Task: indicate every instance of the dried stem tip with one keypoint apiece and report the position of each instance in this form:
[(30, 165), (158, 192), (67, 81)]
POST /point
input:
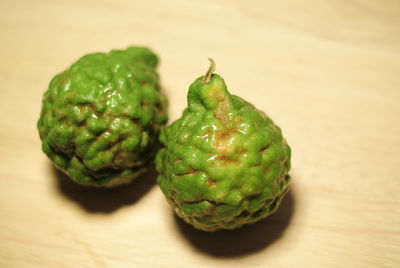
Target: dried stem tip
[(211, 69)]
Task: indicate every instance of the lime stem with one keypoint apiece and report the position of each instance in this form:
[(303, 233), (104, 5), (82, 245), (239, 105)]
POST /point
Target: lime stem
[(211, 69)]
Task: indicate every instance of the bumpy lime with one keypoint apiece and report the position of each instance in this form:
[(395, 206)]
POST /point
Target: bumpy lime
[(224, 163), (101, 118)]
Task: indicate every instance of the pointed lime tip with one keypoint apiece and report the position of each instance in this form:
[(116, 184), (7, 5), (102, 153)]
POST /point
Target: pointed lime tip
[(211, 69)]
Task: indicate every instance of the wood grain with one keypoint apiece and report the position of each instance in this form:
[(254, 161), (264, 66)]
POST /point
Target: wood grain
[(327, 72)]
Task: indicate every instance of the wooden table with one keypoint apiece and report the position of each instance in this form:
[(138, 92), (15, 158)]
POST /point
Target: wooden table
[(327, 72)]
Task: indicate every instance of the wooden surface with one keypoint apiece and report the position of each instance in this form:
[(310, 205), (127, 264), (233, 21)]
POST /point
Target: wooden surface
[(327, 72)]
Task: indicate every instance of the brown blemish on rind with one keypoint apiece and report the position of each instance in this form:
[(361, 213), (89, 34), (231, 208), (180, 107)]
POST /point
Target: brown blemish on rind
[(222, 110), (224, 158), (221, 116), (264, 149), (145, 104), (206, 134), (242, 151), (223, 135), (63, 81), (211, 182)]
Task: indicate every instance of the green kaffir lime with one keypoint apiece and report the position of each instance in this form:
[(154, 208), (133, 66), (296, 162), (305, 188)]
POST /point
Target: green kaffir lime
[(224, 163), (101, 118)]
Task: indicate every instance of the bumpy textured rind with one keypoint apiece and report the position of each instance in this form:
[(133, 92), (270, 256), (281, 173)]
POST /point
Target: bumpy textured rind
[(224, 163), (101, 118)]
